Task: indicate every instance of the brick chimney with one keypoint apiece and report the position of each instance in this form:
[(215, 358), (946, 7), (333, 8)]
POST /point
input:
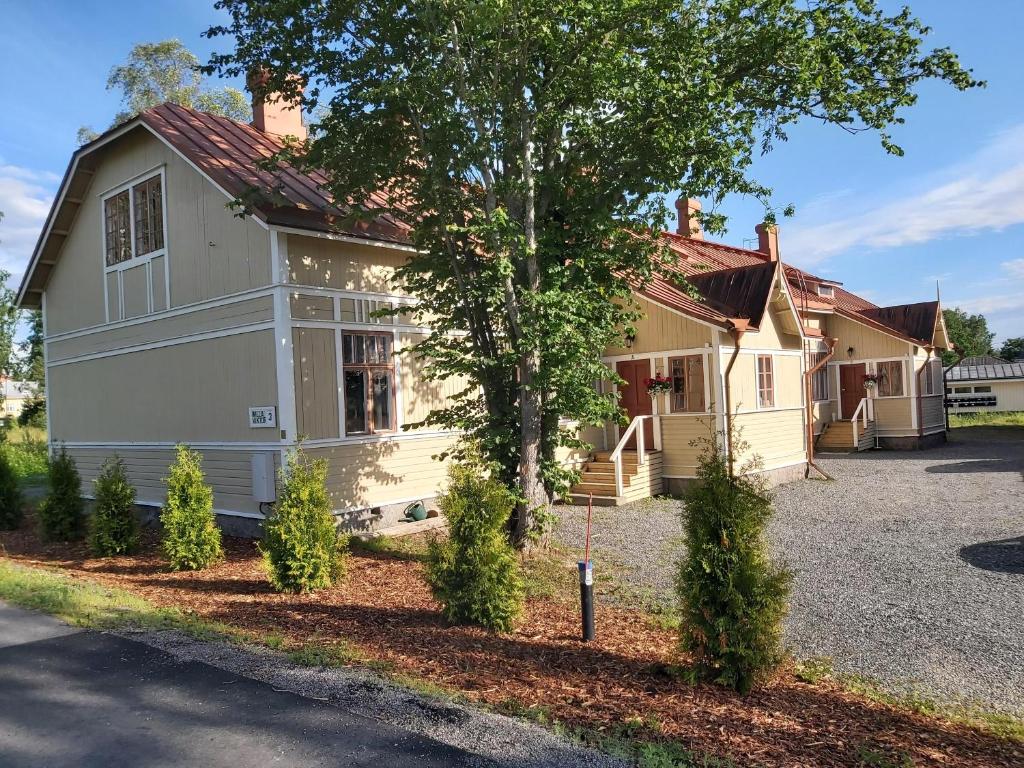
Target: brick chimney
[(768, 240), (272, 113), (689, 224)]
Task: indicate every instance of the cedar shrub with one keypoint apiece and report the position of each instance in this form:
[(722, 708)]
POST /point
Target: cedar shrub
[(11, 500), (191, 539), (733, 597), (62, 513), (475, 573), (302, 547), (113, 528)]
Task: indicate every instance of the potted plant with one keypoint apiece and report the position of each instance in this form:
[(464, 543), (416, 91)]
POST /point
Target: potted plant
[(658, 385), (870, 380)]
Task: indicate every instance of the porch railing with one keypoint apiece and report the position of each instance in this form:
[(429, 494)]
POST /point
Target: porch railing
[(636, 427), (861, 412)]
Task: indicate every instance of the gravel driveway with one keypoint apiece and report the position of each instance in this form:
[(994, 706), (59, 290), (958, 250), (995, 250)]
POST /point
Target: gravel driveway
[(909, 567)]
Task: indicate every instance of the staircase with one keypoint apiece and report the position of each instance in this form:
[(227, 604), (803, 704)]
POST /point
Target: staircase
[(846, 436), (639, 481)]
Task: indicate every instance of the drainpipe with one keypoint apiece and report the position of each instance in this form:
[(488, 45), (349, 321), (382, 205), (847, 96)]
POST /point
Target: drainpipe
[(809, 399), (960, 355), (737, 327), (920, 395)]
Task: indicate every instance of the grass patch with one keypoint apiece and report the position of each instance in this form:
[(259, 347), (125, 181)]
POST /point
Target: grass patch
[(1009, 419), (91, 605), (1001, 724), (400, 547), (550, 573), (316, 653)]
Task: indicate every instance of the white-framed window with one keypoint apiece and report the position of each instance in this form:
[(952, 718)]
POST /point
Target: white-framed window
[(687, 374), (983, 390), (819, 379), (826, 290), (890, 378), (134, 234), (368, 375), (765, 382)]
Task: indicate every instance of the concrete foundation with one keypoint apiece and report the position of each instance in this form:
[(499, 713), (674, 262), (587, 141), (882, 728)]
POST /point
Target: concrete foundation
[(913, 442), (676, 486)]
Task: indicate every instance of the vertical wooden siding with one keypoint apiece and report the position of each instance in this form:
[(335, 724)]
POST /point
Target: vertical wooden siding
[(211, 251), (316, 382)]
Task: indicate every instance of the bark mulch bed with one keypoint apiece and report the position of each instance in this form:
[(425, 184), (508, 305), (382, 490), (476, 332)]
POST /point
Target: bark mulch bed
[(384, 609)]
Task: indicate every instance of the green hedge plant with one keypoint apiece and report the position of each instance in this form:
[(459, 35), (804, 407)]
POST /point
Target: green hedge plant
[(302, 548), (62, 513), (475, 573), (191, 538), (113, 528), (733, 597), (12, 503)]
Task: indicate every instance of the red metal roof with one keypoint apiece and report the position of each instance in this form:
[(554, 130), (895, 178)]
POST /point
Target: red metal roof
[(231, 154)]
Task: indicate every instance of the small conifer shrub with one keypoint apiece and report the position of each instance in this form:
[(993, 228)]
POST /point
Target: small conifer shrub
[(12, 503), (113, 528), (62, 513), (302, 547), (733, 597), (191, 539), (475, 573)]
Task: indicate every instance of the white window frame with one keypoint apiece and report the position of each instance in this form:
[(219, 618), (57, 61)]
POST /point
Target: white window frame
[(134, 260), (827, 291), (904, 370), (757, 381)]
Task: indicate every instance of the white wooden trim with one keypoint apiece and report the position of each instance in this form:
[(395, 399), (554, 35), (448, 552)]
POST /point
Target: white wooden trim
[(46, 388), (763, 351), (612, 359), (339, 372), (397, 298), (359, 326), (235, 330), (198, 306), (262, 446), (344, 238), (396, 381), (284, 357)]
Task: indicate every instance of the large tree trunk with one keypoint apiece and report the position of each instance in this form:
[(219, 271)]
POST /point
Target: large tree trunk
[(531, 484)]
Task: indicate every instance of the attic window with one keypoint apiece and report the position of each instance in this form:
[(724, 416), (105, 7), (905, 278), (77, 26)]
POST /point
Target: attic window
[(826, 290), (133, 218)]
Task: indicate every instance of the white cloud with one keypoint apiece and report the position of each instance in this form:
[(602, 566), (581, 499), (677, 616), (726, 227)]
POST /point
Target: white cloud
[(1015, 268), (983, 192), (25, 198)]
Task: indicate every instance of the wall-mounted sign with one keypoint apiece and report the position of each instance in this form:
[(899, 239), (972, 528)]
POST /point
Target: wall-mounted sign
[(263, 416)]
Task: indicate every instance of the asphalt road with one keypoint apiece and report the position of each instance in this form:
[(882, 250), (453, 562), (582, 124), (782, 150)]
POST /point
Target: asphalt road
[(79, 698)]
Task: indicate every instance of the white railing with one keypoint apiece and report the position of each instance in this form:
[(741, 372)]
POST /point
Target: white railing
[(862, 412), (635, 427)]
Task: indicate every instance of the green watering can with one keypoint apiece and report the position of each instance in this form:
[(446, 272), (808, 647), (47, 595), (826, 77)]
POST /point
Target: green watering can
[(415, 512)]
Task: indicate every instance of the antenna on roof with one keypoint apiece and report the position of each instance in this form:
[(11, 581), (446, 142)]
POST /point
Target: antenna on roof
[(937, 297)]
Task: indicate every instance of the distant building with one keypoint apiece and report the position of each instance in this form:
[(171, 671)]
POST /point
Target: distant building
[(16, 394), (974, 386)]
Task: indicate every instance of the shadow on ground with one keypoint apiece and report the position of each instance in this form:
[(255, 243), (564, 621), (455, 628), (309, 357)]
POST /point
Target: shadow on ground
[(1002, 556)]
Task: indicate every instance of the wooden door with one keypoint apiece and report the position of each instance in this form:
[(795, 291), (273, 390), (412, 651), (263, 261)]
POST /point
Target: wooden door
[(851, 388), (634, 398)]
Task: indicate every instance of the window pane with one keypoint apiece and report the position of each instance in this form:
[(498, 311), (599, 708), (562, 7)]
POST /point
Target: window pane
[(149, 215), (678, 374), (890, 379), (355, 402), (983, 390), (695, 383), (382, 417), (118, 229), (765, 384)]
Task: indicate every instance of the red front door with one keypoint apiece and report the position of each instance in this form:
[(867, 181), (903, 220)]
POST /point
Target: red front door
[(851, 388), (634, 398)]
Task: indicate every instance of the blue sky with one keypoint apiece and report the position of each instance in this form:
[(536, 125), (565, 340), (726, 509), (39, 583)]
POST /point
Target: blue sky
[(952, 209)]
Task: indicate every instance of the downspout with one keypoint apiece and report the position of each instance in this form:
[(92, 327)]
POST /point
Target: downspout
[(809, 399), (960, 355), (737, 327), (920, 393)]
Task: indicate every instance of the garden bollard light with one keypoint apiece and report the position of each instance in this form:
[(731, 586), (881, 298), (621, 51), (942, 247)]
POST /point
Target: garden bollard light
[(587, 598)]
